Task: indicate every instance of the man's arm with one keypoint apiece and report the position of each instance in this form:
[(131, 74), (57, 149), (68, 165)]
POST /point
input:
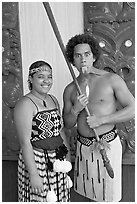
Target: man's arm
[(125, 98), (71, 110), (69, 118)]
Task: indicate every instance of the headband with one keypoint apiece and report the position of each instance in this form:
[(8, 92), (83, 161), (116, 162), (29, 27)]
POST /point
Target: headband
[(38, 69)]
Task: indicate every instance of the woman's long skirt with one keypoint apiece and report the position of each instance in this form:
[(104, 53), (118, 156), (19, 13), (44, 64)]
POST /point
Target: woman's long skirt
[(91, 178), (58, 181)]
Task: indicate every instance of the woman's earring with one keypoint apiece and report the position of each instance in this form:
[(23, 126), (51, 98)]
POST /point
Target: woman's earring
[(29, 79), (30, 83)]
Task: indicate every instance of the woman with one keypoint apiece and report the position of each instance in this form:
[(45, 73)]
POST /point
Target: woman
[(39, 125)]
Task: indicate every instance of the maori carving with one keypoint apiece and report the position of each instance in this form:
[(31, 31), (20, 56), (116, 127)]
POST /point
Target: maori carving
[(11, 77), (113, 25)]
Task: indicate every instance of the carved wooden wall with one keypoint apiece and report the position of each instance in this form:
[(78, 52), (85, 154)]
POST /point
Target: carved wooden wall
[(11, 77), (113, 25)]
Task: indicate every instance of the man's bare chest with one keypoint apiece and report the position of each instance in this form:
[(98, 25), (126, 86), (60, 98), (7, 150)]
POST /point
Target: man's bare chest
[(96, 89)]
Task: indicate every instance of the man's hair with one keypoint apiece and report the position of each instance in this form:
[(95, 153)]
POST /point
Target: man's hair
[(82, 39)]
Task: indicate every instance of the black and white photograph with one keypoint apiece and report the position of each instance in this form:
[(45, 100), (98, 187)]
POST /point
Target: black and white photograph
[(68, 101)]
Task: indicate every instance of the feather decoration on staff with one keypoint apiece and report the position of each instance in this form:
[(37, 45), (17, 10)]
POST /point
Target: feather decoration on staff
[(101, 145)]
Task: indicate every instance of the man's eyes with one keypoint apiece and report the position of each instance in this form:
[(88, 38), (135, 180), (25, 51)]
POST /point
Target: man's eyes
[(87, 54), (80, 55), (77, 55)]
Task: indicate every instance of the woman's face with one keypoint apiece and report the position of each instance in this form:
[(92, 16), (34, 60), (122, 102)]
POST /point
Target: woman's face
[(42, 80), (83, 56)]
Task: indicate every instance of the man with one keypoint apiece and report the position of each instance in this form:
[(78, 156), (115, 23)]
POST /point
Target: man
[(101, 91)]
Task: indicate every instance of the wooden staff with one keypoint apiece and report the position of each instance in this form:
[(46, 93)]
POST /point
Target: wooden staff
[(59, 39), (58, 36)]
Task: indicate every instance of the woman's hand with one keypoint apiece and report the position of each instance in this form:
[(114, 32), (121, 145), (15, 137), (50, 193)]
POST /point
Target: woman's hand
[(68, 156), (36, 183), (93, 121)]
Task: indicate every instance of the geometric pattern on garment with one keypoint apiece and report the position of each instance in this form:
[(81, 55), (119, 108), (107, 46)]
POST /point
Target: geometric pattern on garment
[(47, 124), (108, 136), (25, 193), (90, 140)]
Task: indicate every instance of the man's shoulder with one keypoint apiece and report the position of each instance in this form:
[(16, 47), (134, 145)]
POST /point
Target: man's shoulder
[(102, 73), (109, 75), (112, 78), (70, 86)]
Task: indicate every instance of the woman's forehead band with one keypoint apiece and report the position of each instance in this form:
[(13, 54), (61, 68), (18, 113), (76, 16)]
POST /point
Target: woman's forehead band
[(38, 69)]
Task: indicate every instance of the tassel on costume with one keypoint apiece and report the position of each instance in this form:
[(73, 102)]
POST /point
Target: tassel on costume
[(51, 196), (98, 170), (80, 152), (78, 166), (62, 166), (87, 169), (69, 182), (84, 184), (94, 195), (103, 189)]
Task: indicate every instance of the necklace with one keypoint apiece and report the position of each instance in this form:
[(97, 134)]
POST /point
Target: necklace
[(44, 103)]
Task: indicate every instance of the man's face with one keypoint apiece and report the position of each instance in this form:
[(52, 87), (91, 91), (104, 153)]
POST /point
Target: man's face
[(83, 57)]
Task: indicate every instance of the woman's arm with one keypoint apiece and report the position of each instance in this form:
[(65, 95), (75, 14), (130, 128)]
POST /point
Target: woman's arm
[(66, 142), (23, 114)]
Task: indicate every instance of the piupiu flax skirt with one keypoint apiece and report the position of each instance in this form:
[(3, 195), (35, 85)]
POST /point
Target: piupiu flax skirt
[(91, 178), (58, 182)]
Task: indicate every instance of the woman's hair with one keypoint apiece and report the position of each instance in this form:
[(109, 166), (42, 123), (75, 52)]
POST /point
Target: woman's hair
[(82, 39), (34, 66)]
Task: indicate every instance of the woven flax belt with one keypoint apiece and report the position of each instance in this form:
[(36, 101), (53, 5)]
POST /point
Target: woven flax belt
[(108, 137)]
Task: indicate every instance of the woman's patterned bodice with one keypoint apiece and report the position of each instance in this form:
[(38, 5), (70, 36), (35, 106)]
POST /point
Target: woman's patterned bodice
[(46, 124)]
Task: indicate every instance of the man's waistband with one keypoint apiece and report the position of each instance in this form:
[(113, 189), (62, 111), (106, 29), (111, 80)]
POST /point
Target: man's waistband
[(108, 137)]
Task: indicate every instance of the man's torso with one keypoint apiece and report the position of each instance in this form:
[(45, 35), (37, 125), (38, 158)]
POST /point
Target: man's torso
[(101, 101)]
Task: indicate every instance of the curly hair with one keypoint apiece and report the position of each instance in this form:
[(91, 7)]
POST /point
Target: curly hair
[(36, 64), (81, 39)]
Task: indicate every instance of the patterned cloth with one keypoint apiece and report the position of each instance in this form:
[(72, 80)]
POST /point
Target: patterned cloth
[(46, 127), (25, 193), (90, 176), (46, 124)]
